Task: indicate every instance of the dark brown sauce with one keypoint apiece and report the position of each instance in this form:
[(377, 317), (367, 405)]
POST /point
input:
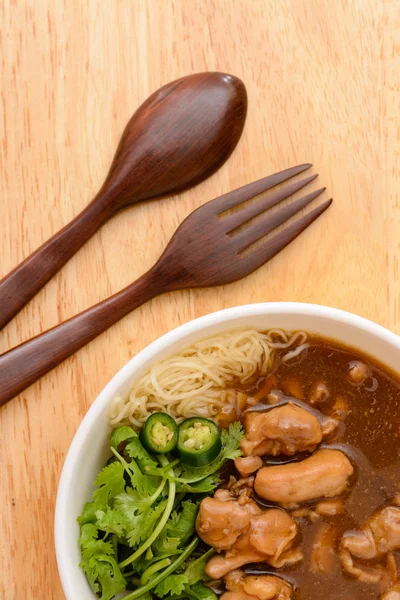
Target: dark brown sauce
[(370, 434)]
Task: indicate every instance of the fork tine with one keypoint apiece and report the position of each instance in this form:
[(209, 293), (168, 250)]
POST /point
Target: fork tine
[(270, 248), (231, 199), (263, 204), (269, 222)]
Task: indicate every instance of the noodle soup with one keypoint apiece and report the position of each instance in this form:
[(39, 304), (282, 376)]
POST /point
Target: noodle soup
[(364, 397), (321, 453), (201, 380)]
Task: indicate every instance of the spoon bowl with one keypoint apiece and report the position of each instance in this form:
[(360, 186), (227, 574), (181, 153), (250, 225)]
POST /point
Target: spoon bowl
[(191, 126)]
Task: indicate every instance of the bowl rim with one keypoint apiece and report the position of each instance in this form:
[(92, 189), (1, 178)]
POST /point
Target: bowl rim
[(162, 343)]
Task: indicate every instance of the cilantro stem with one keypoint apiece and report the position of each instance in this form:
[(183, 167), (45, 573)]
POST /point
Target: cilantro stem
[(158, 491), (156, 580), (161, 524), (123, 461), (153, 569), (161, 471), (136, 470), (211, 471)]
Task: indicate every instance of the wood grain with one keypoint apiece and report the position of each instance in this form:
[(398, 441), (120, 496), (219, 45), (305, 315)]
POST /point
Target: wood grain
[(323, 85)]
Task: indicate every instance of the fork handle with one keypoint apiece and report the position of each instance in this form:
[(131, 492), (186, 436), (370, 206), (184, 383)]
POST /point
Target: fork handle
[(21, 284), (23, 365)]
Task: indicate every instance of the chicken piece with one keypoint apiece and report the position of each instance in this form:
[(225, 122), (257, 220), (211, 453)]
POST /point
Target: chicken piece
[(243, 401), (306, 513), (323, 554), (243, 482), (391, 572), (237, 595), (364, 574), (319, 394), (302, 513), (243, 490), (248, 465), (241, 495), (325, 474), (385, 527), (325, 508), (220, 522), (330, 508), (328, 425), (226, 416), (269, 538), (223, 495), (255, 587), (379, 536), (240, 490), (288, 558), (358, 372), (286, 429), (271, 533), (393, 593)]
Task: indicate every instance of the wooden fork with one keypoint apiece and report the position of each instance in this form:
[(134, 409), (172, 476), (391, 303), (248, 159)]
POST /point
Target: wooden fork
[(204, 251)]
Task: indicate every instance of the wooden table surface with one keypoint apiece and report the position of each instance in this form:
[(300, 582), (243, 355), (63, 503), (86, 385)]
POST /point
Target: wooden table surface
[(323, 85)]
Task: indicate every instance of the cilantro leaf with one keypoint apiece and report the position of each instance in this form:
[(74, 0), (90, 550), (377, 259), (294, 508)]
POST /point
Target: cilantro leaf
[(127, 504), (181, 524), (173, 584), (121, 434), (145, 524), (110, 482), (135, 507), (179, 528), (89, 542), (203, 592), (208, 484), (140, 524), (136, 450), (196, 569), (140, 499), (134, 447), (111, 580), (89, 534), (141, 478), (99, 564), (141, 466), (91, 573), (231, 439), (112, 521), (88, 514), (165, 544)]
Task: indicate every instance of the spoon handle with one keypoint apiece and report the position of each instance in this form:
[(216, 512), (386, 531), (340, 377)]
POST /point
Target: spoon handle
[(19, 286), (23, 365)]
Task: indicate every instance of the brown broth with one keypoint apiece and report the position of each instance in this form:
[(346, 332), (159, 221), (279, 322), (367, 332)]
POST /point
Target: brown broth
[(371, 437)]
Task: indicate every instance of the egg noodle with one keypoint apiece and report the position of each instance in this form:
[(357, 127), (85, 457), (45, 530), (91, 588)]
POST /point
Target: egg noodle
[(198, 381)]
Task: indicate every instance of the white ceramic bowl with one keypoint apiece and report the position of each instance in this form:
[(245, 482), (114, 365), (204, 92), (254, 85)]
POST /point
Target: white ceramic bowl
[(88, 451)]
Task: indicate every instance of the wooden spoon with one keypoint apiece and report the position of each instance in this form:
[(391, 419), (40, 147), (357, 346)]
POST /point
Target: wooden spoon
[(178, 137)]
